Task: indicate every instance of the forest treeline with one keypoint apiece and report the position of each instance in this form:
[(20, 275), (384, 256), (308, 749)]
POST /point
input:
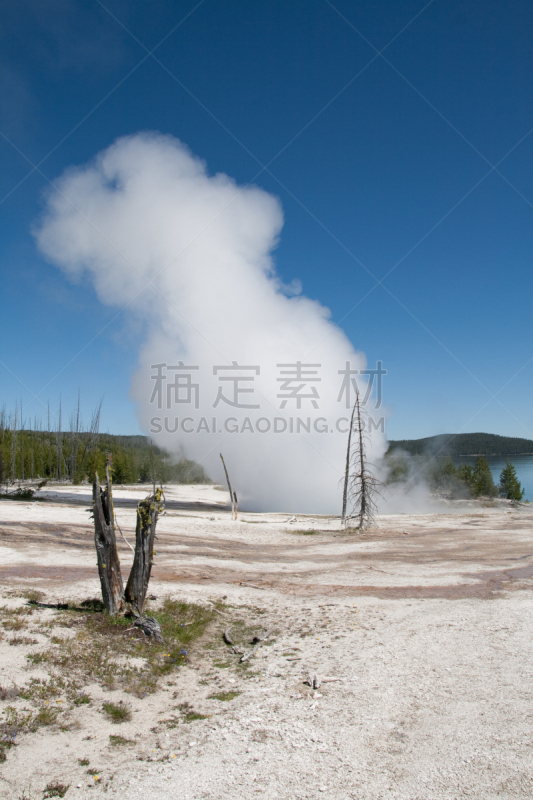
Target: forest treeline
[(464, 444), (447, 480), (31, 451)]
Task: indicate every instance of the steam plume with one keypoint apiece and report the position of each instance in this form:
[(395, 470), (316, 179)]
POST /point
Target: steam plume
[(190, 253)]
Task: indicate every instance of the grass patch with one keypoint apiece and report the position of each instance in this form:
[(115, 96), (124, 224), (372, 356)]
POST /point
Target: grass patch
[(119, 741), (56, 789), (5, 745), (304, 533), (93, 604), (188, 714), (46, 715), (14, 722), (15, 624), (101, 649), (37, 658), (40, 691), (107, 651), (8, 692), (33, 595), (117, 712), (83, 762), (27, 640), (192, 716), (5, 611), (224, 697), (82, 699)]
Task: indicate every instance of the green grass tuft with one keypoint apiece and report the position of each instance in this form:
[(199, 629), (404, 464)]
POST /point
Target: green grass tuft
[(82, 700), (303, 533), (224, 696), (119, 741), (56, 789), (117, 712)]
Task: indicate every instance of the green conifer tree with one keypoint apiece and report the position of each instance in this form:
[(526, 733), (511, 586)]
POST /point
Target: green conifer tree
[(510, 486), (482, 481)]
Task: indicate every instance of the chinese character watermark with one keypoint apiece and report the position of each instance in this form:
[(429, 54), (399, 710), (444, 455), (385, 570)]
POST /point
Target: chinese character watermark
[(292, 388), (237, 388)]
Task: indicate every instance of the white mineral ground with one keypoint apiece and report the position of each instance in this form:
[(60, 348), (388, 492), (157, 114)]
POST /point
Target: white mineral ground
[(426, 621)]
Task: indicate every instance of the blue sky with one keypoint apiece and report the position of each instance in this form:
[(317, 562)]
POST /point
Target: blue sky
[(397, 135)]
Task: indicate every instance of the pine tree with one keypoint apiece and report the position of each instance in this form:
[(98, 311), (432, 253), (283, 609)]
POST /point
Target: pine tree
[(482, 480), (465, 473), (510, 486)]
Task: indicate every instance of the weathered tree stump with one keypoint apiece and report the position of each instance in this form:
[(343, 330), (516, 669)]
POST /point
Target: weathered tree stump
[(106, 546), (147, 514)]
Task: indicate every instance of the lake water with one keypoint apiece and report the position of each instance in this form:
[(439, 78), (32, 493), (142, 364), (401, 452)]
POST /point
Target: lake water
[(523, 465)]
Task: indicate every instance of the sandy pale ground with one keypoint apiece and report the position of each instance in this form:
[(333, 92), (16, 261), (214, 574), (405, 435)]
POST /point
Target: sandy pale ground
[(425, 623)]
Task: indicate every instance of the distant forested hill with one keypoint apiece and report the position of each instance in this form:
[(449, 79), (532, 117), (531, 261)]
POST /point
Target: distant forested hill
[(464, 444)]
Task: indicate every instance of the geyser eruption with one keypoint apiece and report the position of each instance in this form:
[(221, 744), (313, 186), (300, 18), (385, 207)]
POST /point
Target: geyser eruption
[(233, 360)]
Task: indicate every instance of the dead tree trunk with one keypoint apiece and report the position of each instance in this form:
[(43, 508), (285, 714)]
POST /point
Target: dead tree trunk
[(106, 546), (232, 495), (347, 471), (147, 513)]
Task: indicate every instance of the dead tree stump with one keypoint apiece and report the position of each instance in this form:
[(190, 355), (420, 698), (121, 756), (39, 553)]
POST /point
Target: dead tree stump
[(147, 514), (106, 546)]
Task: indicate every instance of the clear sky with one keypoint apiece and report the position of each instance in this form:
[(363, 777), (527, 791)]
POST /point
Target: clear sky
[(398, 136)]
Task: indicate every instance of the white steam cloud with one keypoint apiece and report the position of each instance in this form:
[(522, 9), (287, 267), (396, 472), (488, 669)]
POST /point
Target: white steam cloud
[(191, 254)]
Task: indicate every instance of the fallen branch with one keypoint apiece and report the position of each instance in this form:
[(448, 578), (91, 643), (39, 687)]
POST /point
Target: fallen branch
[(250, 653), (251, 585), (227, 637)]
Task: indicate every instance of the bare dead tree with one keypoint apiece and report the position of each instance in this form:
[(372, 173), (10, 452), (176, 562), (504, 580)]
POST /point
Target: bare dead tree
[(74, 437), (14, 446), (49, 441), (116, 600), (232, 494), (59, 444), (22, 431), (361, 487)]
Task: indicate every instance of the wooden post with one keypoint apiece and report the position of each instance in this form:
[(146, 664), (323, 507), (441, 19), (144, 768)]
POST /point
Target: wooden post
[(106, 546), (147, 513)]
